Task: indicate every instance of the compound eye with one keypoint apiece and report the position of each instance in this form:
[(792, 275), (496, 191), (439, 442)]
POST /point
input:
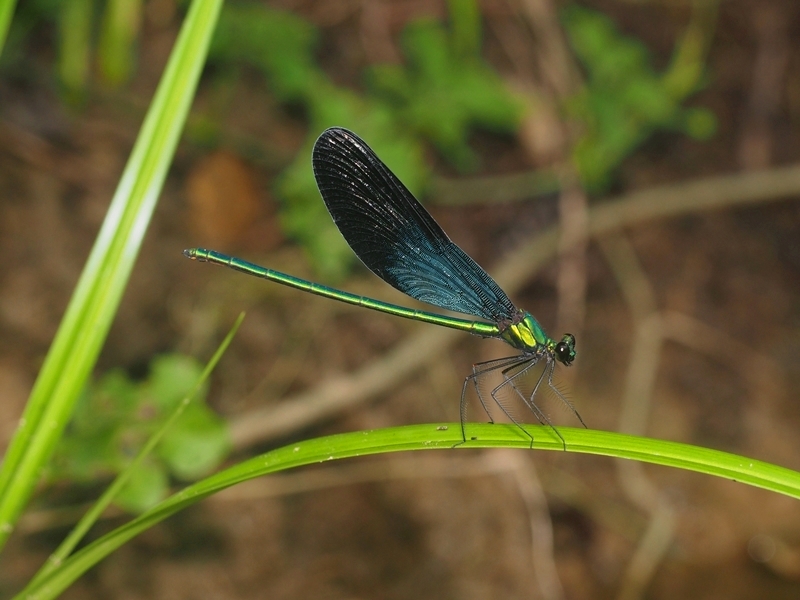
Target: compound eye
[(565, 350)]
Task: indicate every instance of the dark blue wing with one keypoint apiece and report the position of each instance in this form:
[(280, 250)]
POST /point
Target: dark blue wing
[(394, 236)]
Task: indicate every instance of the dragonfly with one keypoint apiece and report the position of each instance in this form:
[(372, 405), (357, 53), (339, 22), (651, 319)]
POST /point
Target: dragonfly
[(400, 242)]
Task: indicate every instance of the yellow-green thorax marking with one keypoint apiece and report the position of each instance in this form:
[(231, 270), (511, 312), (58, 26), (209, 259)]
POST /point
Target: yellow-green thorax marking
[(525, 334)]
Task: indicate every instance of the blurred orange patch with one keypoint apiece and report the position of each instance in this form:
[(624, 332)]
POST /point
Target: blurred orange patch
[(223, 200)]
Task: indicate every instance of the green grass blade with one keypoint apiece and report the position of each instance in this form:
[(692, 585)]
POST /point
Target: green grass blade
[(6, 12), (426, 437), (75, 24), (89, 519), (96, 298)]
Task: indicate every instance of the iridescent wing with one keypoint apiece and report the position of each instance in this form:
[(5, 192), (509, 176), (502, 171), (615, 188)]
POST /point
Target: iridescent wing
[(394, 236)]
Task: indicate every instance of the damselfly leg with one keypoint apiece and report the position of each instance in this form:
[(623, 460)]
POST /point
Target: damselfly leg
[(513, 370)]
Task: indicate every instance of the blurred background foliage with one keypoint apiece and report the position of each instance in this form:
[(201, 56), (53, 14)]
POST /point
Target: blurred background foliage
[(439, 93), (117, 414), (625, 100)]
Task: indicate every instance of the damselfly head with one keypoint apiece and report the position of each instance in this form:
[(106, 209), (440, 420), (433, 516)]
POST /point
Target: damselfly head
[(565, 349)]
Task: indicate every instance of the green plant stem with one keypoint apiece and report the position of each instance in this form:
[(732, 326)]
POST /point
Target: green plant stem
[(74, 53), (96, 298), (6, 12), (91, 516), (426, 437)]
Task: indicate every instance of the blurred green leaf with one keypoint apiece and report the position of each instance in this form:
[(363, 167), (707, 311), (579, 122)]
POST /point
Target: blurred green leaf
[(196, 444), (85, 458), (624, 100), (75, 28), (442, 92), (147, 486), (119, 31), (699, 123), (144, 454), (465, 22), (111, 399), (116, 415), (279, 43), (170, 379)]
